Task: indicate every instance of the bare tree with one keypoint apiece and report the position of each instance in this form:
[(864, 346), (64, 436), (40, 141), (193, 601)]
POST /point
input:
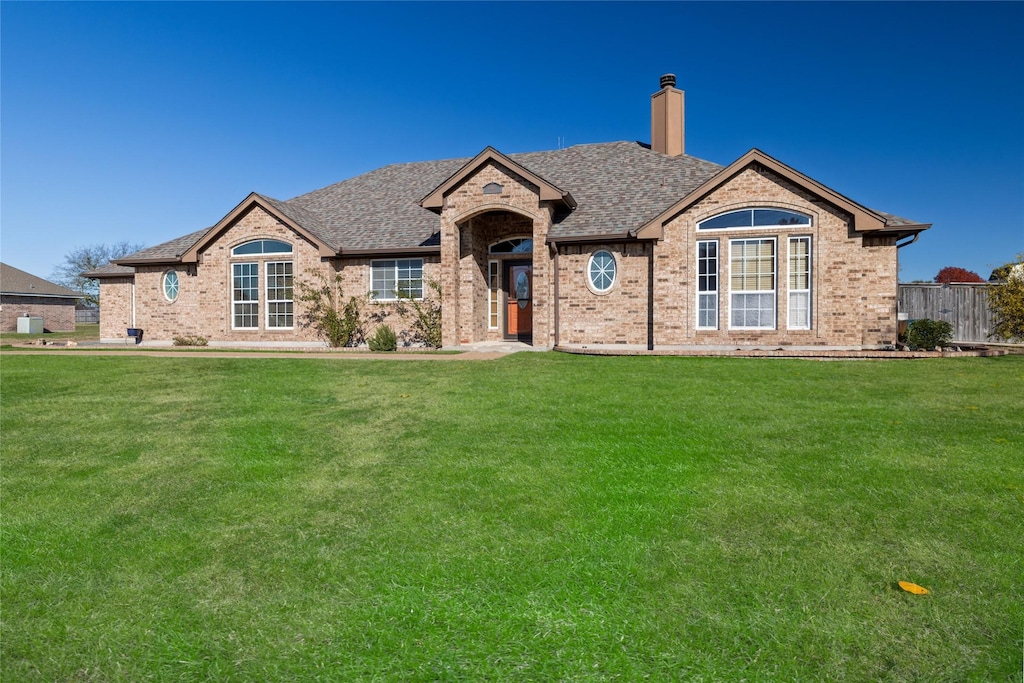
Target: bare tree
[(83, 259)]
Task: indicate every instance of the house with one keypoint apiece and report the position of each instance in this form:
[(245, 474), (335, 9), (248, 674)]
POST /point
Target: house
[(617, 245), (23, 294)]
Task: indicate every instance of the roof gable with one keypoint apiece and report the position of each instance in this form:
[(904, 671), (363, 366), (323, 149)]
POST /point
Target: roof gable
[(548, 192), (294, 217), (865, 220)]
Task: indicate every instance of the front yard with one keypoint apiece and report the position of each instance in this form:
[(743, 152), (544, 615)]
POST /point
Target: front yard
[(538, 517)]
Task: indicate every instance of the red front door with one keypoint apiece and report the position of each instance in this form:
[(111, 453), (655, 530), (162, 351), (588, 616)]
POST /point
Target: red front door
[(518, 300)]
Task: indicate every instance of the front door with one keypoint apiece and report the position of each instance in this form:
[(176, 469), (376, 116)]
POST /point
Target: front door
[(519, 300)]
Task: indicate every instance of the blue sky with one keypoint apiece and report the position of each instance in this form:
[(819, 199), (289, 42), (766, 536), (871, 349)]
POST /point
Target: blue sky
[(145, 121)]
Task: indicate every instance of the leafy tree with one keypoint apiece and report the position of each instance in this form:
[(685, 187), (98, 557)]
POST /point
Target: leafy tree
[(955, 274), (83, 259), (1006, 299)]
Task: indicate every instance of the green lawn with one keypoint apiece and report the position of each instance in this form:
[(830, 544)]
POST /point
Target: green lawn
[(539, 517)]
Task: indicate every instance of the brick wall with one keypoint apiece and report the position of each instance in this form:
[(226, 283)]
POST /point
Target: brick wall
[(618, 316), (203, 305), (58, 314), (115, 307), (472, 220), (853, 278)]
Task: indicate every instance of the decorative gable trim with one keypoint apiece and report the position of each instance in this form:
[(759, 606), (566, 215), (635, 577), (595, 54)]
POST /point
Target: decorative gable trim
[(254, 200), (865, 220), (548, 192)]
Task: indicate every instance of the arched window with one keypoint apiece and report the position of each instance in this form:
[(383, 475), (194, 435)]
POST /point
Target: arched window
[(257, 247), (519, 245), (755, 218)]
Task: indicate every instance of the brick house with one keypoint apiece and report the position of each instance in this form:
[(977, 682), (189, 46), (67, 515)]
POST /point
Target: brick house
[(23, 294), (612, 245)]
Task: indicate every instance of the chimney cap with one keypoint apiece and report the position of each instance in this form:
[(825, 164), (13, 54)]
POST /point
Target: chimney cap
[(668, 81)]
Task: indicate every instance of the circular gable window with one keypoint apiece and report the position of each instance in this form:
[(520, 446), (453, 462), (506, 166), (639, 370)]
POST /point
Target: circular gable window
[(171, 285), (601, 271)]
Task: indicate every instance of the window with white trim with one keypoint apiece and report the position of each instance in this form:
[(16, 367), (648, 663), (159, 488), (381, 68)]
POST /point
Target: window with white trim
[(707, 284), (391, 277), (280, 303), (799, 283), (752, 284), (755, 218), (493, 294), (171, 284), (601, 271), (258, 247), (245, 296)]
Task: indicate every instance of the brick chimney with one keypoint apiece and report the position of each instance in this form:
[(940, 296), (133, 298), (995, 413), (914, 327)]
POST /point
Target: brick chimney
[(667, 128)]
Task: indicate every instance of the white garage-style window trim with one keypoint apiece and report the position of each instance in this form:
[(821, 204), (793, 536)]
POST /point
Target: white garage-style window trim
[(799, 303), (601, 271), (245, 296), (391, 277), (171, 284), (707, 284), (280, 302), (755, 218), (752, 284)]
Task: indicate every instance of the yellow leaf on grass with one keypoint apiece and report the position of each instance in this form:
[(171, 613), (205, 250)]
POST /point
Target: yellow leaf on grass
[(913, 588)]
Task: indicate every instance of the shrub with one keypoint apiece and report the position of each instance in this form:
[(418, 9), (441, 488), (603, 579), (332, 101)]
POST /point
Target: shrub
[(927, 334), (1006, 299), (426, 315), (384, 339), (191, 340), (338, 322)]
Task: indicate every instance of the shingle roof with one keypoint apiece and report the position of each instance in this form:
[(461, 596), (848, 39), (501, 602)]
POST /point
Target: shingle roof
[(618, 187), (15, 281), (168, 251), (109, 270)]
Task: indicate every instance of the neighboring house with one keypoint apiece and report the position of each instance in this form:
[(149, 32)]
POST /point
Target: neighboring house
[(24, 294), (613, 245)]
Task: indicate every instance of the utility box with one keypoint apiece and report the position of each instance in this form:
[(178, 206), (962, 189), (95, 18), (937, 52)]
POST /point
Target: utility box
[(28, 325)]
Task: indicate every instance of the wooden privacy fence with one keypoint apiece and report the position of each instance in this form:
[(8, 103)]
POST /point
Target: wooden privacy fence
[(87, 315), (963, 305)]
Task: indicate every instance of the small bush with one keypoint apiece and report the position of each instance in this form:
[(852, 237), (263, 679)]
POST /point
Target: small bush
[(384, 339), (927, 334), (191, 340), (337, 321)]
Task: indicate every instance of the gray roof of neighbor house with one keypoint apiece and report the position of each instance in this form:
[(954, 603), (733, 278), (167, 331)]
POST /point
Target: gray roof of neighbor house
[(18, 282), (617, 186), (109, 270)]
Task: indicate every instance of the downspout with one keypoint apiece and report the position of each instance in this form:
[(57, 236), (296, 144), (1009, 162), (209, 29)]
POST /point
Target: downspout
[(899, 246), (650, 296), (133, 302), (554, 246)]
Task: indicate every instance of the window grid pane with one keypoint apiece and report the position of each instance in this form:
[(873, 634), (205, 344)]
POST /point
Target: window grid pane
[(493, 294), (752, 283), (800, 282), (391, 277), (280, 281), (245, 295), (707, 284)]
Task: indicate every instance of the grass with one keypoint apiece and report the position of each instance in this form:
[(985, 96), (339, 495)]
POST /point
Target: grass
[(540, 517), (82, 332)]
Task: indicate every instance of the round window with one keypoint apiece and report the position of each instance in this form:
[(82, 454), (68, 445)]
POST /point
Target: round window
[(171, 285), (601, 271)]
